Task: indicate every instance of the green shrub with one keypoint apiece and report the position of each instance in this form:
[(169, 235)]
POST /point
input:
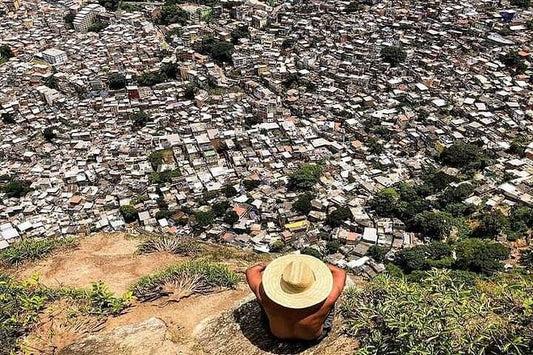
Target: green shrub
[(333, 246), (303, 203), (338, 216), (312, 252), (277, 246), (393, 55), (200, 277), (438, 316), (479, 255), (170, 245), (33, 249)]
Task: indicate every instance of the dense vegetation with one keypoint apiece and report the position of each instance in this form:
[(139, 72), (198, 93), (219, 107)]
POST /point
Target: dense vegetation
[(393, 55), (305, 177), (117, 81), (16, 188), (5, 53), (442, 314), (217, 49), (21, 303)]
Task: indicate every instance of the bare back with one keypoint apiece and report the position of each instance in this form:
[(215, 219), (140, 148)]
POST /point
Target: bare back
[(286, 323)]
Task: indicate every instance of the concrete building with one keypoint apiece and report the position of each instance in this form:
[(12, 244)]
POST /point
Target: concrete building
[(54, 56), (86, 16)]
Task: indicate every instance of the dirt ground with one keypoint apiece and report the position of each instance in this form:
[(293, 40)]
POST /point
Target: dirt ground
[(107, 257)]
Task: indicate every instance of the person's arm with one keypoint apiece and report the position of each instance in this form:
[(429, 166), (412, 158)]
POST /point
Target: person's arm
[(339, 280), (253, 277)]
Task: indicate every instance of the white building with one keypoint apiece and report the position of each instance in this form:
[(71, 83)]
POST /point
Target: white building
[(85, 17), (54, 56)]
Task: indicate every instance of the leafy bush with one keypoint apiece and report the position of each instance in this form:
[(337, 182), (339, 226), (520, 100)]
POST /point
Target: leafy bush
[(384, 202), (33, 249), (238, 33), (199, 276), (151, 78), (491, 224), (103, 302), (172, 14), (305, 177), (229, 191), (438, 316), (8, 118)]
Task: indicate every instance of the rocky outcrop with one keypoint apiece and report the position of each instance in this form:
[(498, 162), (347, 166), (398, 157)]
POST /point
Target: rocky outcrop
[(148, 337)]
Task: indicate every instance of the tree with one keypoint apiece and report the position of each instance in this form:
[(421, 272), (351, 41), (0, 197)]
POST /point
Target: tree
[(393, 55), (491, 224), (277, 246), (464, 156), (374, 146), (238, 33), (156, 159), (163, 214), (49, 134), (129, 213), (333, 246), (151, 79), (204, 218), (51, 82), (116, 81), (97, 26), (69, 18), (312, 252), (172, 14), (110, 5), (6, 52), (16, 188), (229, 191), (303, 203), (171, 70), (524, 4), (288, 43), (424, 257), (175, 32), (140, 119), (377, 252), (341, 214), (305, 177), (434, 225), (354, 6), (480, 255), (231, 217), (220, 208), (385, 201), (217, 49), (250, 185), (8, 118)]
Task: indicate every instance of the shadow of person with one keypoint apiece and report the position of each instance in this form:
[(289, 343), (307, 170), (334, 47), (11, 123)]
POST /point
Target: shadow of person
[(254, 326)]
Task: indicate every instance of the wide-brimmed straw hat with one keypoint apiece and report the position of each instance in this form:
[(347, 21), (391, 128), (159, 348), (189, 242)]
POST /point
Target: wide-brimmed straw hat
[(297, 281)]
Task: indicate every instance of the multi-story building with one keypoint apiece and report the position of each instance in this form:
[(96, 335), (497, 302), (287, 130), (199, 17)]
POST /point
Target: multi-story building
[(86, 17), (54, 56)]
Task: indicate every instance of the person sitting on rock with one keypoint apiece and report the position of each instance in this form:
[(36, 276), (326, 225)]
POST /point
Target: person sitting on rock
[(297, 293)]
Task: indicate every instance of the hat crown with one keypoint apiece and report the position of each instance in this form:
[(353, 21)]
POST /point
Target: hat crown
[(297, 276)]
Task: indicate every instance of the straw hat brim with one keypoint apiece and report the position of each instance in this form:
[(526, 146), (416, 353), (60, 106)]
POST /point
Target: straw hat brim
[(318, 292)]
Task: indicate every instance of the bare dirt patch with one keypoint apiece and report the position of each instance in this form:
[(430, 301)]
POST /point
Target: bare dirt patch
[(109, 257)]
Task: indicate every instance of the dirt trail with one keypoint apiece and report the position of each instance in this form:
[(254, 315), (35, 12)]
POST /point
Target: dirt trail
[(107, 257)]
